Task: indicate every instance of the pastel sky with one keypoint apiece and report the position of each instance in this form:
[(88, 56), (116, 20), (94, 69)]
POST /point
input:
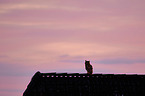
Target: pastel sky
[(59, 35)]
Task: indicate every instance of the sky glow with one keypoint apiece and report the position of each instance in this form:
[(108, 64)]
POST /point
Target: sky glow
[(59, 35)]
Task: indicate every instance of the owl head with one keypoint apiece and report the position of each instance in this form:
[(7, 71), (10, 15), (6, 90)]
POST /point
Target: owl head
[(87, 62)]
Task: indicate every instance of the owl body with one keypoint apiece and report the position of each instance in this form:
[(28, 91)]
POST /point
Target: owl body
[(88, 67)]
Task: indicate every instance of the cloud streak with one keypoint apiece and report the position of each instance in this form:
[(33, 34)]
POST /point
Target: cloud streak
[(121, 61)]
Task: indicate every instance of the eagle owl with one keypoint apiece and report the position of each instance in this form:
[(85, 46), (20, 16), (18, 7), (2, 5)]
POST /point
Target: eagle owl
[(88, 67)]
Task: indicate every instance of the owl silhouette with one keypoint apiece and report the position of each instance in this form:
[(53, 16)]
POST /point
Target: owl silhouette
[(88, 67)]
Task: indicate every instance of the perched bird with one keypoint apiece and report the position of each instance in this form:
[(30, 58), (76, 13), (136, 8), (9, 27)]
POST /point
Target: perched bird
[(88, 67)]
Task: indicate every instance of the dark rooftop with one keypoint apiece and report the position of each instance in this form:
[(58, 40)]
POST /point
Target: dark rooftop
[(75, 84)]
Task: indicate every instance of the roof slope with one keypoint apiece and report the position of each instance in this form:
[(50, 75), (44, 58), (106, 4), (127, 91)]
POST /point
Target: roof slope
[(57, 84)]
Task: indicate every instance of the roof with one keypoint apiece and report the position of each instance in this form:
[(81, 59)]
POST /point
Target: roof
[(75, 84)]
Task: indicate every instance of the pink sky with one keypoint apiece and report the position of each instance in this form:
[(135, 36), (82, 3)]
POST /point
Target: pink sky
[(59, 35)]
